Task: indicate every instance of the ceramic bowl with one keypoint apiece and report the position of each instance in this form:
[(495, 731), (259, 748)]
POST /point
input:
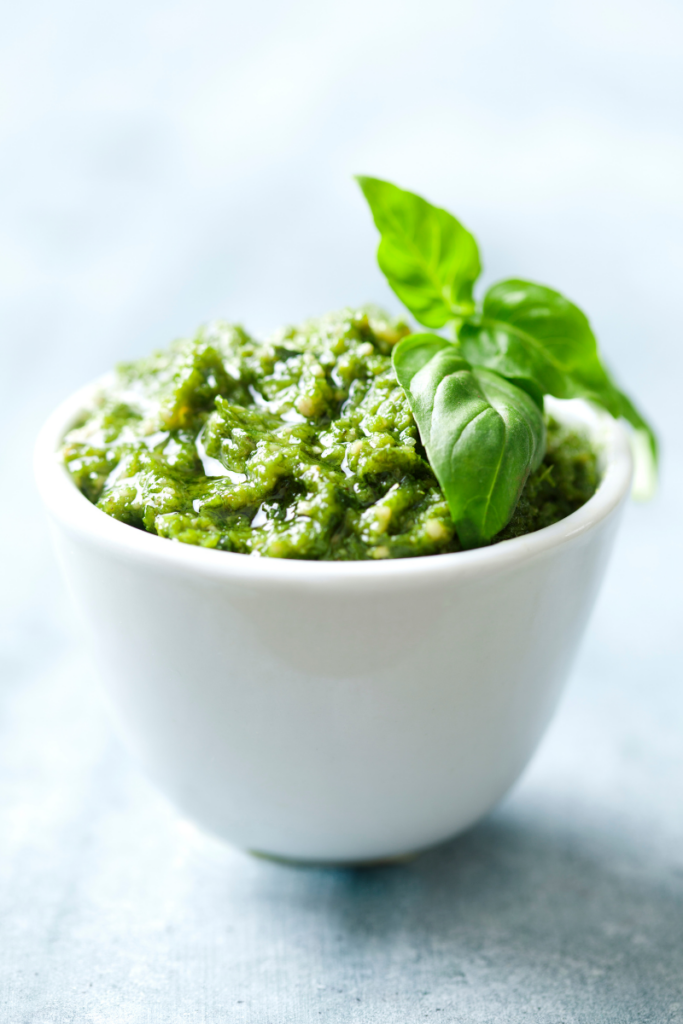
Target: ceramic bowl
[(333, 712)]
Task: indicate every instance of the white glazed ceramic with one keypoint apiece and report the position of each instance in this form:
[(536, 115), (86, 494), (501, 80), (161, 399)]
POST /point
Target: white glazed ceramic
[(338, 712)]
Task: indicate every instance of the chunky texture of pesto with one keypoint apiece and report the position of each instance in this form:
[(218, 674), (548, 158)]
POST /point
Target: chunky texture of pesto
[(302, 446)]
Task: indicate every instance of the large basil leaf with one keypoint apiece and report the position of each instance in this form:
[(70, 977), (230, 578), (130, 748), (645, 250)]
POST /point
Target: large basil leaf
[(483, 435), (430, 260), (528, 331)]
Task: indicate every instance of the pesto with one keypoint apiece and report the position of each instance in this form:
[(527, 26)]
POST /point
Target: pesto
[(302, 446)]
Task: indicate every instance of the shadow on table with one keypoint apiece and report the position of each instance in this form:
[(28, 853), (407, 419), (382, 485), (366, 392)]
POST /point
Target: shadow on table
[(521, 906)]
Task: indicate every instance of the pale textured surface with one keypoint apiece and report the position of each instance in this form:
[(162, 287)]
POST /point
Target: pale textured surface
[(166, 162)]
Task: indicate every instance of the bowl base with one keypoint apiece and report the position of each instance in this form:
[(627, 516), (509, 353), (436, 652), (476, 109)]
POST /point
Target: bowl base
[(299, 862)]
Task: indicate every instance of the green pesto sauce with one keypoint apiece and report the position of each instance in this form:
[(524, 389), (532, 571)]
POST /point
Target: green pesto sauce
[(302, 446)]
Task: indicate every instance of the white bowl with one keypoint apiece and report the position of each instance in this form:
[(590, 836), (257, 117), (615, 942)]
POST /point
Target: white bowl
[(334, 711)]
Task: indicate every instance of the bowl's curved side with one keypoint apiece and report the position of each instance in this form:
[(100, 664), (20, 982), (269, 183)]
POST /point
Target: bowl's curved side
[(334, 712)]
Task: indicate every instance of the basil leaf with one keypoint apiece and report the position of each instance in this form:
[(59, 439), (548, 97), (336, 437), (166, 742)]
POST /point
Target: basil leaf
[(529, 332), (645, 449), (531, 389), (483, 435), (430, 260)]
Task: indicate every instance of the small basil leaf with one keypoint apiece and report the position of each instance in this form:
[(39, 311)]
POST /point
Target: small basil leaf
[(529, 332), (645, 449), (430, 260), (483, 435), (627, 409)]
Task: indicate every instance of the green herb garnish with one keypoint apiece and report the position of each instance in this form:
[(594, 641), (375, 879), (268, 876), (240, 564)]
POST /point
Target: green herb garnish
[(478, 399)]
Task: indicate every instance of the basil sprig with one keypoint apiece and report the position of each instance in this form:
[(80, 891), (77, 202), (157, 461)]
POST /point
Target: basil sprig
[(478, 399)]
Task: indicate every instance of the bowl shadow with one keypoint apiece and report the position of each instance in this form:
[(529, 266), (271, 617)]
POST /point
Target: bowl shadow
[(513, 916)]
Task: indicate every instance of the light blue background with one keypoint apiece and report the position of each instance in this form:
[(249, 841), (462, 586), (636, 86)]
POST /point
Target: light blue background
[(165, 163)]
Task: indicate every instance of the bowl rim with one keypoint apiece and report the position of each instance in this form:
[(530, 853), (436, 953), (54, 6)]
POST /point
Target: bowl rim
[(69, 507)]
